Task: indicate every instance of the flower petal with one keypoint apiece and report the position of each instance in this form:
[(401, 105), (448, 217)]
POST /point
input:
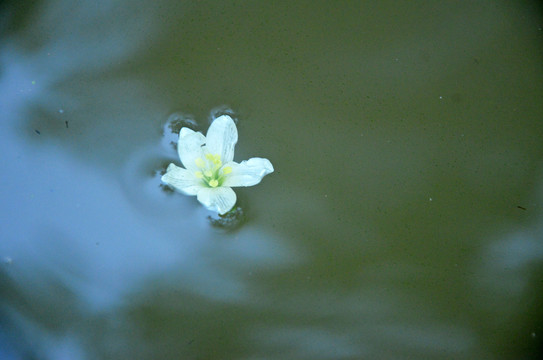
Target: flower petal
[(182, 180), (248, 173), (189, 147), (220, 199), (222, 137)]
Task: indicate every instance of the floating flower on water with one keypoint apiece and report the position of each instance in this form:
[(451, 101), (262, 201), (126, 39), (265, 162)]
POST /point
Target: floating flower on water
[(210, 172)]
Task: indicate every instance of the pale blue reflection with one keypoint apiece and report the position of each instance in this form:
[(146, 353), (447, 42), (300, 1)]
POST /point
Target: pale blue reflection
[(53, 66), (42, 341), (307, 343), (67, 47), (82, 239), (322, 342), (77, 240), (377, 320), (94, 233), (39, 340), (87, 36), (82, 230), (509, 261), (7, 350), (430, 338)]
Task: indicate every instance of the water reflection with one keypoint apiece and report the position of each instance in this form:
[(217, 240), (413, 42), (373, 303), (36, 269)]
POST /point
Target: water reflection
[(508, 270), (84, 241), (508, 262), (391, 228)]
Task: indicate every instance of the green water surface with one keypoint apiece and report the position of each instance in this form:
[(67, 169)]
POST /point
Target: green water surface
[(404, 218)]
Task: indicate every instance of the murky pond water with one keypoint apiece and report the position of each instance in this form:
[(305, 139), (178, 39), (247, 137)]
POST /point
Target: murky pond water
[(403, 220)]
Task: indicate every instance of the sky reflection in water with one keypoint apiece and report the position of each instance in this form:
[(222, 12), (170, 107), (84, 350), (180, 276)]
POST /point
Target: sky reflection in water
[(114, 232), (81, 230), (82, 237), (390, 227)]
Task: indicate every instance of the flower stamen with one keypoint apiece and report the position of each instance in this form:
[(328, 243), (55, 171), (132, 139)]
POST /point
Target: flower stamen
[(200, 163), (212, 173)]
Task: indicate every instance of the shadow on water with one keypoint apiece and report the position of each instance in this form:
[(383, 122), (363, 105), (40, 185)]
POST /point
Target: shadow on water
[(403, 218)]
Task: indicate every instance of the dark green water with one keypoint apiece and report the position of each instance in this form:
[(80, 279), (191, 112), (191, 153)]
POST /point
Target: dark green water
[(404, 218)]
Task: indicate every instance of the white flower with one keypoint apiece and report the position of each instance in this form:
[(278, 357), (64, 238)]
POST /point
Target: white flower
[(210, 172)]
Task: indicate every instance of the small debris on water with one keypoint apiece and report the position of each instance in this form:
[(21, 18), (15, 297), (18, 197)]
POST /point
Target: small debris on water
[(66, 122), (521, 207), (37, 131)]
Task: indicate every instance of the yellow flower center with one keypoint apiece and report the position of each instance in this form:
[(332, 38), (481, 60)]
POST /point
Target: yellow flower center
[(211, 170)]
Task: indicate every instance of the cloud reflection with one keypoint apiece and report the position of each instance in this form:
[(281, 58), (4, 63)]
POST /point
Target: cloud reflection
[(77, 239), (99, 239)]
